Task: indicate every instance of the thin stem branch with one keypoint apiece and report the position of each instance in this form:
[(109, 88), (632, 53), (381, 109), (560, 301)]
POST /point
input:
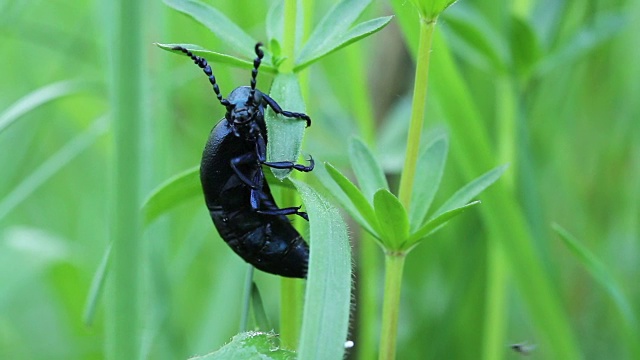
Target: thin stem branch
[(394, 265), (417, 111)]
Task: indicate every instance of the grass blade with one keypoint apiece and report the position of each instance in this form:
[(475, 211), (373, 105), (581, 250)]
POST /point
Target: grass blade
[(218, 58), (358, 32), (52, 165), (607, 281), (366, 168), (328, 294), (471, 190), (36, 98), (230, 33)]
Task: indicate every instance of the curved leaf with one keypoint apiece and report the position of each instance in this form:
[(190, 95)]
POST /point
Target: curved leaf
[(230, 33), (285, 134), (181, 188), (36, 98), (366, 168), (433, 225), (362, 209), (216, 57), (471, 190), (251, 345), (429, 169), (358, 32), (393, 220), (328, 292)]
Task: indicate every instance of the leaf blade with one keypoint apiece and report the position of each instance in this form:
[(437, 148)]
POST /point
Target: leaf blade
[(392, 219), (328, 294)]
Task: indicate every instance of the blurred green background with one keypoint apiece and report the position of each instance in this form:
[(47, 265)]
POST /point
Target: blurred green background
[(567, 72)]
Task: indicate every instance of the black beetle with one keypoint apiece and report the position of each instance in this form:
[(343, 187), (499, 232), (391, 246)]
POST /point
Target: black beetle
[(235, 191)]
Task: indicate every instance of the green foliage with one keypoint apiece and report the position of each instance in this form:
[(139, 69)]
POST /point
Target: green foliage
[(548, 87), (380, 212), (251, 345)]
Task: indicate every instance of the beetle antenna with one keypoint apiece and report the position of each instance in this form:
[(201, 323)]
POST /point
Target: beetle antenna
[(254, 72), (202, 63)]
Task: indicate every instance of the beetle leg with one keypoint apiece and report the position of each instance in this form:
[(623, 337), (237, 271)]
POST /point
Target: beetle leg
[(278, 110), (244, 159), (261, 150), (263, 204)]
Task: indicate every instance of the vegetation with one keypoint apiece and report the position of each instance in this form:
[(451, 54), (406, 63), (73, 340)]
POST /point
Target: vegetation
[(107, 249)]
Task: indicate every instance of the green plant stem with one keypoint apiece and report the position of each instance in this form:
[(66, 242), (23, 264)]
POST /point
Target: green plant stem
[(497, 268), (291, 290), (418, 107), (126, 43), (368, 296), (394, 265), (289, 37)]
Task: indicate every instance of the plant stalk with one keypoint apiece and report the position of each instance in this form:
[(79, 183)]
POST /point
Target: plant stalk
[(394, 265), (418, 107), (291, 290), (126, 77)]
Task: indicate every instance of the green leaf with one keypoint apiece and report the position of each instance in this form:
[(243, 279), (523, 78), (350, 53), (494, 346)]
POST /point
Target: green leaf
[(607, 281), (435, 224), (393, 220), (285, 134), (363, 210), (358, 32), (97, 288), (334, 24), (171, 193), (226, 30), (366, 168), (260, 315), (429, 170), (328, 291), (251, 345), (52, 165), (603, 28), (525, 46), (216, 57), (476, 40), (36, 98), (431, 9), (181, 188), (471, 190), (322, 174)]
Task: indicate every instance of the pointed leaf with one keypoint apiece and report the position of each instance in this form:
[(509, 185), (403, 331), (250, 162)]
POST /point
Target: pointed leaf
[(474, 37), (171, 193), (250, 345), (259, 314), (285, 134), (339, 195), (358, 32), (328, 291), (393, 220), (52, 165), (435, 224), (36, 98), (97, 288), (334, 24), (225, 29), (181, 188), (216, 57), (429, 170), (605, 279), (363, 209), (366, 168), (605, 26), (471, 190)]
